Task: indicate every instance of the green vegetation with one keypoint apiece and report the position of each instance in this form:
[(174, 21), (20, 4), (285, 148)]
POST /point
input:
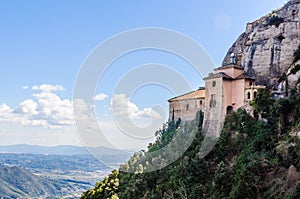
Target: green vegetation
[(274, 20), (106, 188), (294, 68), (296, 55), (251, 159)]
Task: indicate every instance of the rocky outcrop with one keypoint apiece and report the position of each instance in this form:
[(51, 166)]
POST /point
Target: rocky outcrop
[(266, 49), (293, 177)]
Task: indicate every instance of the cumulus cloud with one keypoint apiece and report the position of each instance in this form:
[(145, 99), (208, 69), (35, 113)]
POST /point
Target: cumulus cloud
[(5, 112), (48, 88), (53, 109), (100, 97), (27, 107), (46, 109), (122, 106)]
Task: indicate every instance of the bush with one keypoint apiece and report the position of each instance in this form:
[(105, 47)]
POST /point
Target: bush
[(295, 69), (275, 20), (297, 55)]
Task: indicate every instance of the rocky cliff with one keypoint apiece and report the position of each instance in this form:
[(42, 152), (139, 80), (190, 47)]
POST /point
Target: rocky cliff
[(266, 49)]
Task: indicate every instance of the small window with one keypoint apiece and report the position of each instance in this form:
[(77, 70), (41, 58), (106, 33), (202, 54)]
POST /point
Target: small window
[(213, 100), (214, 83), (250, 84), (229, 109), (187, 107), (248, 95), (201, 102), (255, 94)]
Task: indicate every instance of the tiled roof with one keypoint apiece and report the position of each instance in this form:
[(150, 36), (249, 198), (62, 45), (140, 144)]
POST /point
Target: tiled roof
[(200, 93), (229, 66), (244, 76), (218, 75)]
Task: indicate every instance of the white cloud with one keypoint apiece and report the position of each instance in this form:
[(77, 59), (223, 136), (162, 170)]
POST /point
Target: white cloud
[(100, 97), (48, 112), (27, 107), (5, 112), (47, 109), (25, 87), (48, 88), (122, 106), (54, 110)]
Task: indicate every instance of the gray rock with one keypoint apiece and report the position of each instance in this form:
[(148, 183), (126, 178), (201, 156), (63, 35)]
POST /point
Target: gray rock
[(266, 48)]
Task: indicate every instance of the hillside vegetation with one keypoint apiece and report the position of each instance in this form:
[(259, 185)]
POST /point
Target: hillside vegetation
[(255, 157), (16, 182)]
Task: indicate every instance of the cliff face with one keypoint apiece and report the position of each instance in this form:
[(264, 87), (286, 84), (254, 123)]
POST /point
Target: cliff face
[(266, 49)]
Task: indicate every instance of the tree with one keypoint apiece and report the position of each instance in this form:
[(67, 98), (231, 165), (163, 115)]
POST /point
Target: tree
[(263, 101)]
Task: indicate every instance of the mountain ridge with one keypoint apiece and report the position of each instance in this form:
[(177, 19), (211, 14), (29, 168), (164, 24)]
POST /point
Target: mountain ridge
[(58, 150), (266, 49)]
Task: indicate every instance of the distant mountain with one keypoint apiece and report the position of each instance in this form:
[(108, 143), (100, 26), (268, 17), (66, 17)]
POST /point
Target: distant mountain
[(16, 182), (50, 163), (54, 172), (106, 155), (57, 150)]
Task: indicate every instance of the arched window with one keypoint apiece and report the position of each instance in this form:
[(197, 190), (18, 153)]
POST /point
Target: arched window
[(254, 94), (201, 102), (187, 107), (214, 83), (250, 83), (229, 109), (248, 95)]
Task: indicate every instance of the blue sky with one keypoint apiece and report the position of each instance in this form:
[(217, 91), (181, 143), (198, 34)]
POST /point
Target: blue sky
[(45, 42)]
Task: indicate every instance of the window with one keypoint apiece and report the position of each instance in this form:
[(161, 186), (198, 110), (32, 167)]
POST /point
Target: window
[(250, 84), (201, 102), (248, 95), (212, 100), (214, 83), (187, 107), (229, 109), (255, 93)]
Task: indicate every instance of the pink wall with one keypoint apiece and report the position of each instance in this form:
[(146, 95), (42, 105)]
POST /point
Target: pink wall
[(238, 87), (231, 71), (227, 94)]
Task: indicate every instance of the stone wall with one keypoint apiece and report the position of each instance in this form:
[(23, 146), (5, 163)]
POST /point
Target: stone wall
[(186, 109), (213, 112)]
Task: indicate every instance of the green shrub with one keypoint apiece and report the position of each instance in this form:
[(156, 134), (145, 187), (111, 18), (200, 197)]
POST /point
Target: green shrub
[(275, 20)]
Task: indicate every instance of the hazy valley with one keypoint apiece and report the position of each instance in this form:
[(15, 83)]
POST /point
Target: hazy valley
[(62, 172)]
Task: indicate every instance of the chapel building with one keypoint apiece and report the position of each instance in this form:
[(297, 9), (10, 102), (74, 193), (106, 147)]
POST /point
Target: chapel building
[(226, 89)]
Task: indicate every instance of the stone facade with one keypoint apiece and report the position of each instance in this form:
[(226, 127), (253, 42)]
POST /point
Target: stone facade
[(186, 106)]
